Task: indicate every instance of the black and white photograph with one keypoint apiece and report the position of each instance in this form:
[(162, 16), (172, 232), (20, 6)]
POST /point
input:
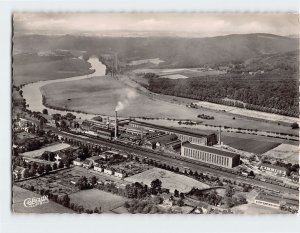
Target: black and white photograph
[(155, 113)]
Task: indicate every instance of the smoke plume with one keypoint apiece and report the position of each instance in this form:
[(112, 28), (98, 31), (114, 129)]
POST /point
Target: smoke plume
[(129, 95)]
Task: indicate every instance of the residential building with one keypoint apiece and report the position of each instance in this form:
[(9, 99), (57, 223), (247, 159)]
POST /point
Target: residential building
[(273, 169)]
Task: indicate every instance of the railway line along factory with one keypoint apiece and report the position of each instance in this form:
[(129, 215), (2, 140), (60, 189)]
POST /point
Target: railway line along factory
[(210, 155)]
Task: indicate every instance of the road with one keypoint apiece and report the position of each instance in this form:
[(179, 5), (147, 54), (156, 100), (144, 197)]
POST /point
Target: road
[(174, 161)]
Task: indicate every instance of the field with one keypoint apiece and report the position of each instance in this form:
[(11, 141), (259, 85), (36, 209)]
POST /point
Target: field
[(256, 209), (29, 72), (100, 95), (249, 145), (22, 137), (155, 61), (170, 180), (288, 153), (52, 148), (19, 195), (93, 198), (89, 94), (179, 72), (246, 112)]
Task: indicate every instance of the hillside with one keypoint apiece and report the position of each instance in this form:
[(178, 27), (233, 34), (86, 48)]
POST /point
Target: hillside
[(266, 83), (177, 52)]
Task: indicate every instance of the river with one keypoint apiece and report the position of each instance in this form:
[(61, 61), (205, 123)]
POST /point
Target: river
[(33, 96)]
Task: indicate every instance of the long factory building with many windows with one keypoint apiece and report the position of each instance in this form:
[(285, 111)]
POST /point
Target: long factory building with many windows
[(204, 138), (210, 155)]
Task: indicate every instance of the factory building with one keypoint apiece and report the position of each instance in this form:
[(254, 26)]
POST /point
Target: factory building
[(210, 155), (98, 130), (204, 138), (161, 141)]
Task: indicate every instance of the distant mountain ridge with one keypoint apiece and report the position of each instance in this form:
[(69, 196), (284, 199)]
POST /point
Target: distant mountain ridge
[(177, 52)]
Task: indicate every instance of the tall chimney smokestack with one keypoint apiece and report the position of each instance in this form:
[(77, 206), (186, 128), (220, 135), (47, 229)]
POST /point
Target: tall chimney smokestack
[(108, 123), (116, 125), (220, 131)]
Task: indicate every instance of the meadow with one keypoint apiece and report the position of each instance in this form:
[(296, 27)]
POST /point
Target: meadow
[(29, 72), (51, 148), (288, 153), (170, 180), (249, 145), (93, 198), (100, 95)]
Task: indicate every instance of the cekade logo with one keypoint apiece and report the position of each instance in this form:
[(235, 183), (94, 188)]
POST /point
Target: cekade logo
[(34, 201)]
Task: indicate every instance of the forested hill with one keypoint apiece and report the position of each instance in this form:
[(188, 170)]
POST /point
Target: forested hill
[(176, 52), (267, 83)]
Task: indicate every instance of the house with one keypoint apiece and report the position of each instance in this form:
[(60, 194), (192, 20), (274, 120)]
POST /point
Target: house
[(108, 171), (98, 168), (267, 200), (273, 169), (120, 173), (294, 176), (77, 162), (18, 172), (92, 161), (167, 199)]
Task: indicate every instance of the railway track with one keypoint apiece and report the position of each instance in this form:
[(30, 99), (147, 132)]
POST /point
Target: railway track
[(178, 162)]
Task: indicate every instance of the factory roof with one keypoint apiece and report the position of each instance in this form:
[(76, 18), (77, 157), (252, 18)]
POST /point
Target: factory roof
[(210, 150), (164, 139), (173, 130)]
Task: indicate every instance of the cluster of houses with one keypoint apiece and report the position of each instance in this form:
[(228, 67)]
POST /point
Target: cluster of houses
[(99, 163)]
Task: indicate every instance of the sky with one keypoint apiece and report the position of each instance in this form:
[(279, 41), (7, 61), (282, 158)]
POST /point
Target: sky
[(177, 24)]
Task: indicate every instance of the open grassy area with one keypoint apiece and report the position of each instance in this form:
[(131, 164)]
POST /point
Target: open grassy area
[(52, 148), (100, 95), (170, 180), (48, 70), (93, 198), (249, 145), (256, 209), (19, 195), (288, 153)]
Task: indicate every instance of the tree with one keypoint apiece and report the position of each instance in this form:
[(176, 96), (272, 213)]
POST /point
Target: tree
[(26, 173), (156, 186), (229, 191), (94, 180), (251, 174), (180, 202), (176, 193), (295, 125), (181, 195), (56, 117), (45, 111), (63, 124), (48, 168), (41, 169), (66, 200), (96, 211), (54, 167), (82, 183), (45, 155), (51, 156), (60, 164)]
